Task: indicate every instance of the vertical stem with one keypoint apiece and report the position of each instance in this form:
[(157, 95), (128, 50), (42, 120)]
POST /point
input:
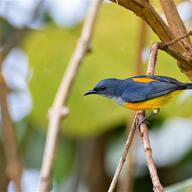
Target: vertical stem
[(127, 183), (58, 109), (123, 156), (4, 180), (176, 25), (13, 165), (13, 161), (157, 187), (152, 59)]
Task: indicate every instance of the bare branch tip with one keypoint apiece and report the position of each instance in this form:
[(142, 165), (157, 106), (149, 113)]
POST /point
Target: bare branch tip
[(62, 112)]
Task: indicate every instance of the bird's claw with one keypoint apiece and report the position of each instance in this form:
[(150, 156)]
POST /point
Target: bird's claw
[(144, 120)]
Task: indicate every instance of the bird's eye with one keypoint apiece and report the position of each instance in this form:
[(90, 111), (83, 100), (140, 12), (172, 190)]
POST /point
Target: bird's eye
[(102, 88)]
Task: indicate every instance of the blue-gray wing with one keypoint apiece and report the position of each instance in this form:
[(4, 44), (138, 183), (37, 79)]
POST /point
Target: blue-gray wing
[(138, 91)]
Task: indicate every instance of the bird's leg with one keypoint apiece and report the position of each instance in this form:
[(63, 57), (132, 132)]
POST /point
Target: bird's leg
[(155, 111)]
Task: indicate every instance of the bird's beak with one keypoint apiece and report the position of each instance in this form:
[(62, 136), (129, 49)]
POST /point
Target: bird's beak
[(90, 92)]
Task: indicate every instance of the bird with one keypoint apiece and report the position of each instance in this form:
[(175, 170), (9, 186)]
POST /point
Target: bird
[(142, 92)]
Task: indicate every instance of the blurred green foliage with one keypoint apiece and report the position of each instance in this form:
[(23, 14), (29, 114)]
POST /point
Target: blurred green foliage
[(185, 186), (114, 54)]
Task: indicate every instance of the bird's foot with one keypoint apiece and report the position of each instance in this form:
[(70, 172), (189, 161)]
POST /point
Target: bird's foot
[(144, 120)]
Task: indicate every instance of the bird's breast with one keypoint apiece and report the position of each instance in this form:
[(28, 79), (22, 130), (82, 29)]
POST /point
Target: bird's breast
[(118, 100)]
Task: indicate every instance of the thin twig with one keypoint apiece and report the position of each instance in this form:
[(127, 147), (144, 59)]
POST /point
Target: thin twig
[(146, 11), (157, 187), (123, 156), (13, 161), (143, 129), (161, 45), (164, 35), (152, 58), (175, 22), (128, 181), (58, 109), (164, 45)]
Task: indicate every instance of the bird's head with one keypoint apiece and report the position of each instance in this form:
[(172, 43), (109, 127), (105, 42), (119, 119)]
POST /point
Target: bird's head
[(107, 87)]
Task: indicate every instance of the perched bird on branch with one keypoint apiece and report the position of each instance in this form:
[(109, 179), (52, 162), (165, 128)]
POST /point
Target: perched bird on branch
[(140, 92)]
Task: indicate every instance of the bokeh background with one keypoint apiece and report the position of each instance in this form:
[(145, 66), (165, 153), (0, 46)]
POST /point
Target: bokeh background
[(93, 135)]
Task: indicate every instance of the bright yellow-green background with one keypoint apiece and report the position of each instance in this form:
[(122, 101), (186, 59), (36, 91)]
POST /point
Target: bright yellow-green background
[(114, 52)]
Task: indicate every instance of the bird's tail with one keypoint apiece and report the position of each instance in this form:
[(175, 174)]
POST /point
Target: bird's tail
[(188, 85)]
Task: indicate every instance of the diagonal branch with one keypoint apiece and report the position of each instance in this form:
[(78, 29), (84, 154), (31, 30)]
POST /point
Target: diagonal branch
[(176, 25), (144, 10), (128, 183), (143, 129), (13, 161), (157, 187), (58, 109), (123, 156)]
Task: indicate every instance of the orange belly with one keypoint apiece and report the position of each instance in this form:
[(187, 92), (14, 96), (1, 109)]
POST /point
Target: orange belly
[(151, 103)]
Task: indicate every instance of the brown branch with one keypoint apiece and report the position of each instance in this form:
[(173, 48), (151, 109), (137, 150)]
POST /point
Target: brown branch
[(58, 109), (13, 163), (4, 180), (127, 183), (143, 9), (123, 156), (176, 25), (152, 59), (157, 187), (143, 129), (164, 45)]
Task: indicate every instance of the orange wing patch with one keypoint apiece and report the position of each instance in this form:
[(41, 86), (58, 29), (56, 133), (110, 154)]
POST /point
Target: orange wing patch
[(143, 80)]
